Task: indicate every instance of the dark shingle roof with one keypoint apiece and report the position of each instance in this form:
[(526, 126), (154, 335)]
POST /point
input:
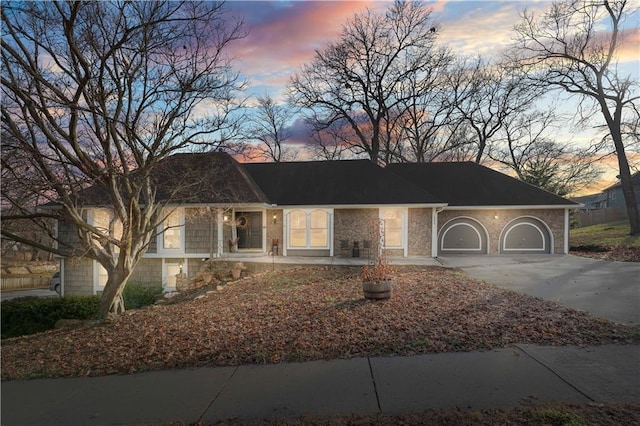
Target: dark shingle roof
[(348, 182), (470, 184), (193, 178), (213, 177)]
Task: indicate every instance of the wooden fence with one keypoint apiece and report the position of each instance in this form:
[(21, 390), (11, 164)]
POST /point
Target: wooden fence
[(596, 216), (24, 282)]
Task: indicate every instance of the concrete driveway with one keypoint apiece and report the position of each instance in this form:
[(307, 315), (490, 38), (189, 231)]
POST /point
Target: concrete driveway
[(602, 288)]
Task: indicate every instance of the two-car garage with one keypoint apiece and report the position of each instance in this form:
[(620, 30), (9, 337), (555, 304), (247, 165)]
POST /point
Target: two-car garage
[(467, 235)]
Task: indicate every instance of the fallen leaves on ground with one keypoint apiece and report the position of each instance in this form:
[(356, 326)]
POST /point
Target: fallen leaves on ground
[(309, 314), (614, 253)]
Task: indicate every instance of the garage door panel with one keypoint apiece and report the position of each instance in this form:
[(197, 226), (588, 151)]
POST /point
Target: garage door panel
[(526, 235), (463, 236)]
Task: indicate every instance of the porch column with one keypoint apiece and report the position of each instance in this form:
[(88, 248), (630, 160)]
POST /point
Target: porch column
[(566, 231), (434, 232), (220, 222)]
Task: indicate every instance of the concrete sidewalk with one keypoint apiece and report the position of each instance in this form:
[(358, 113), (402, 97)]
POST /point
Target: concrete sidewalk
[(522, 375)]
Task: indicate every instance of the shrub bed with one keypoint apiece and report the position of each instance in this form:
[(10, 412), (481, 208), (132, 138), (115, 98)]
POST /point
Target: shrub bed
[(29, 315)]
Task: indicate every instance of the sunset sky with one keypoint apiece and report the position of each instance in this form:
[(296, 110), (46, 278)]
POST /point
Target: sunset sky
[(283, 35)]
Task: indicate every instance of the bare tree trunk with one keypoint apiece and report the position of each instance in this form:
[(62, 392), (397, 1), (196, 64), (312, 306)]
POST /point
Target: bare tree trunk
[(112, 300), (627, 184)]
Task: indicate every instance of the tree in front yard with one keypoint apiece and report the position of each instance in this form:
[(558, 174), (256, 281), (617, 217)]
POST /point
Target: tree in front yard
[(98, 95), (574, 47)]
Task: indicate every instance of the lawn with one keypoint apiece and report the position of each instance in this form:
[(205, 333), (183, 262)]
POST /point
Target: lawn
[(614, 234), (308, 314), (609, 241)]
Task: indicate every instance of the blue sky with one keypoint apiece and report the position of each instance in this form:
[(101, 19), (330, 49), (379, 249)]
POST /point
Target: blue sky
[(283, 35)]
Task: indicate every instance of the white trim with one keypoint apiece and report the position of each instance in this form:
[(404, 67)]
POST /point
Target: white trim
[(331, 249), (549, 233), (356, 206), (165, 274), (96, 277), (434, 231), (533, 225), (264, 231), (444, 234), (220, 227), (404, 219), (566, 231), (172, 252), (473, 219), (515, 207), (234, 228), (329, 215)]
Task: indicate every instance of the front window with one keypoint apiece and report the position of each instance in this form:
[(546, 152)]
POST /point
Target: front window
[(319, 227), (172, 234), (106, 223), (309, 229), (393, 227), (298, 229)]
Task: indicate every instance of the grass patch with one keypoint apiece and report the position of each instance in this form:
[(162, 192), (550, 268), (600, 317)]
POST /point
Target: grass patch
[(614, 234), (560, 414)]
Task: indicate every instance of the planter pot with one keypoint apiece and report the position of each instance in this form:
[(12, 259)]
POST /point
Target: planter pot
[(377, 289)]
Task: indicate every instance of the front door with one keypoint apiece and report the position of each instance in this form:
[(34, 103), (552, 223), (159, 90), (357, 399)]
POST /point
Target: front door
[(249, 227)]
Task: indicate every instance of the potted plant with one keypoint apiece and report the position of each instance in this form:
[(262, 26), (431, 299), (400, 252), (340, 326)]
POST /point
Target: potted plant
[(377, 276)]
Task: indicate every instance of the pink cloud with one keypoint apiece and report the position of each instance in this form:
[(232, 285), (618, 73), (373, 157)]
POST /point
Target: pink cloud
[(283, 36)]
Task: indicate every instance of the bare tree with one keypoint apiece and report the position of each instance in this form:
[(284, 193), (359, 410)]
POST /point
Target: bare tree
[(329, 142), (99, 95), (267, 125), (430, 126), (359, 78), (486, 95), (573, 48), (526, 147)]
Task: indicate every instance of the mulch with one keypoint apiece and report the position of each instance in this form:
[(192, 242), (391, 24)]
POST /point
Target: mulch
[(308, 314)]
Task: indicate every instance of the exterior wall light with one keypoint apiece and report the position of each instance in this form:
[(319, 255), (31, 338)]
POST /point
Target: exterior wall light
[(275, 218)]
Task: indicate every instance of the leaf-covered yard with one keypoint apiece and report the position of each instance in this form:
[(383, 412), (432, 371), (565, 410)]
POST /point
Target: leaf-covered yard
[(308, 314)]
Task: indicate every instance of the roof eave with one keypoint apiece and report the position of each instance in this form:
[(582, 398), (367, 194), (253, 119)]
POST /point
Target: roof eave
[(516, 207), (358, 206)]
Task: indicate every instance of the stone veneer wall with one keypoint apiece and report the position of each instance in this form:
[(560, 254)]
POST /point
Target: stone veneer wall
[(351, 225), (78, 277), (419, 232), (553, 218)]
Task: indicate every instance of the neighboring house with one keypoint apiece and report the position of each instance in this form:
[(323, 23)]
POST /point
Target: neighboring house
[(613, 194), (592, 201), (235, 210)]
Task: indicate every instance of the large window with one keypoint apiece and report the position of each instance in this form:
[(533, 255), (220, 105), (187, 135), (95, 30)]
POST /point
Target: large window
[(393, 227), (104, 220), (298, 229), (309, 229), (172, 235)]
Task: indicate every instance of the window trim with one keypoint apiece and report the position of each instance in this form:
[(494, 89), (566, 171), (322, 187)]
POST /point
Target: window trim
[(404, 215), (308, 212), (181, 229)]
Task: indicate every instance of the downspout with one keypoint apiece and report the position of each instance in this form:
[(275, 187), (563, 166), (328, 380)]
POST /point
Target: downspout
[(566, 231), (434, 231)]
